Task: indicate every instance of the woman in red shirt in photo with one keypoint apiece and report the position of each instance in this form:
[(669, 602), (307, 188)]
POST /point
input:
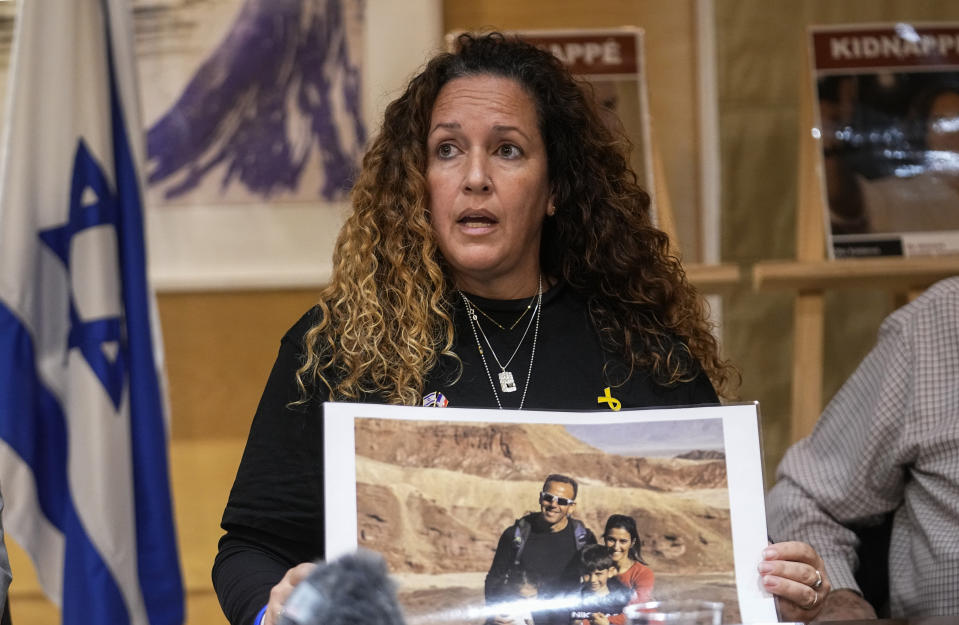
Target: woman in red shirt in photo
[(622, 540)]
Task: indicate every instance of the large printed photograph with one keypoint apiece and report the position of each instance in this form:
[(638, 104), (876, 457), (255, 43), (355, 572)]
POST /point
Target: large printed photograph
[(547, 519), (888, 119)]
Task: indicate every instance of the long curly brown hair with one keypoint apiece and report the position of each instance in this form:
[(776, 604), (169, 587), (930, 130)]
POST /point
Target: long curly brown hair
[(385, 318)]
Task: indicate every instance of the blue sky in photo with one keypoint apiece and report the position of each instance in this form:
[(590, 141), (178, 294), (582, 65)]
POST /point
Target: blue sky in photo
[(652, 438)]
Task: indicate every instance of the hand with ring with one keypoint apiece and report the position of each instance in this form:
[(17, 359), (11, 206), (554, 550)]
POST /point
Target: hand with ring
[(796, 575), (281, 592)]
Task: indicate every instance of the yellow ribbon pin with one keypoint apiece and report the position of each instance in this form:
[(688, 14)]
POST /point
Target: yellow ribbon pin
[(614, 403)]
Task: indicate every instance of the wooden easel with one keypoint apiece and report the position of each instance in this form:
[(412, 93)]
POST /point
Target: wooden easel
[(709, 279), (811, 274)]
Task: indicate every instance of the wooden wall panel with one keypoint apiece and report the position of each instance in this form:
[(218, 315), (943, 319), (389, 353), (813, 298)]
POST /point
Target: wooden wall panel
[(219, 351)]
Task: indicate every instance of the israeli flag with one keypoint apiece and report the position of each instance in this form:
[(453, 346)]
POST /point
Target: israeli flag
[(83, 436)]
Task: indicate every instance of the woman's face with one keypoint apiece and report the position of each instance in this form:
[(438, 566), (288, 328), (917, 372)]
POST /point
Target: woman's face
[(619, 542), (487, 179)]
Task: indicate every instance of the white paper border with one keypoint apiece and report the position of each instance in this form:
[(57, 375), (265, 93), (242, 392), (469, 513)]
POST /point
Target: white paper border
[(743, 474)]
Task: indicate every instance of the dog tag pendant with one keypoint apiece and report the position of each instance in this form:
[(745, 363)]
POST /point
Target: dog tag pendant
[(506, 382)]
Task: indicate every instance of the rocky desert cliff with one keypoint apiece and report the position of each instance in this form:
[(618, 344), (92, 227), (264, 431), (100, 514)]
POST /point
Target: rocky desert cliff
[(434, 497)]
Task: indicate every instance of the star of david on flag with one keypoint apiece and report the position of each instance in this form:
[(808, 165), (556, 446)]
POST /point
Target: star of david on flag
[(83, 435), (92, 204)]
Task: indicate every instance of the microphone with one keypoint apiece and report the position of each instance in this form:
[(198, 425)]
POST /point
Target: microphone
[(352, 589)]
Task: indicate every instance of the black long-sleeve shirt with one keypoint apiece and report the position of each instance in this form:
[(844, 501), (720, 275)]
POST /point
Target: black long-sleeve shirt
[(274, 517)]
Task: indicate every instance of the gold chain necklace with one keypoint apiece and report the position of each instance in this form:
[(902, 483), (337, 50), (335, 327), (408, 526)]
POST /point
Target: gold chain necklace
[(500, 325)]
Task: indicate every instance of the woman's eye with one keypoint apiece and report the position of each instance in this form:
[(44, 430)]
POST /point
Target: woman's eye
[(508, 150), (445, 150)]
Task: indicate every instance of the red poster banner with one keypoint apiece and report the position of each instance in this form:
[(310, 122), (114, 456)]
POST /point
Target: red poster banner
[(887, 117)]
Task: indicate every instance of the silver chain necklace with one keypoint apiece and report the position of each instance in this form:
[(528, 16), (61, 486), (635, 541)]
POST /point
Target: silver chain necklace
[(506, 380), (507, 383)]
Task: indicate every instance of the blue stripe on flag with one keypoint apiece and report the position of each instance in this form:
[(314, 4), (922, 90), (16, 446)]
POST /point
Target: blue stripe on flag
[(33, 424), (157, 558), (32, 420)]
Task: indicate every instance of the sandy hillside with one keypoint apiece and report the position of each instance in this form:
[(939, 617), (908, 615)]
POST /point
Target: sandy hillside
[(525, 452), (434, 498)]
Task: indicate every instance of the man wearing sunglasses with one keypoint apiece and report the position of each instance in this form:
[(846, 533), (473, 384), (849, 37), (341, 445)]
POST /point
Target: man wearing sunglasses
[(546, 546)]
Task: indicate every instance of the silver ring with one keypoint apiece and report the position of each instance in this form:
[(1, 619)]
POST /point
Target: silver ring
[(812, 605), (818, 583)]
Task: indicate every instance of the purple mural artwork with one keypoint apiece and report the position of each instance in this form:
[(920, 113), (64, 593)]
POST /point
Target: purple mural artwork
[(279, 94)]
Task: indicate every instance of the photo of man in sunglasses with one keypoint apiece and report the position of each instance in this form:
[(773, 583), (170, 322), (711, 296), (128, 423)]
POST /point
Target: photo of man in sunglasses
[(544, 546)]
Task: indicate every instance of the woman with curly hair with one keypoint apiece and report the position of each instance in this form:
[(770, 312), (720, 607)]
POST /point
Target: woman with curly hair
[(389, 314), (499, 254)]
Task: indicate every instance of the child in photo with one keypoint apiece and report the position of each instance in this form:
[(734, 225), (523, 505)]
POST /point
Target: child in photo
[(603, 597), (523, 588)]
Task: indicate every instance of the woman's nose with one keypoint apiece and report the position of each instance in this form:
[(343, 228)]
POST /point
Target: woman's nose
[(477, 174)]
